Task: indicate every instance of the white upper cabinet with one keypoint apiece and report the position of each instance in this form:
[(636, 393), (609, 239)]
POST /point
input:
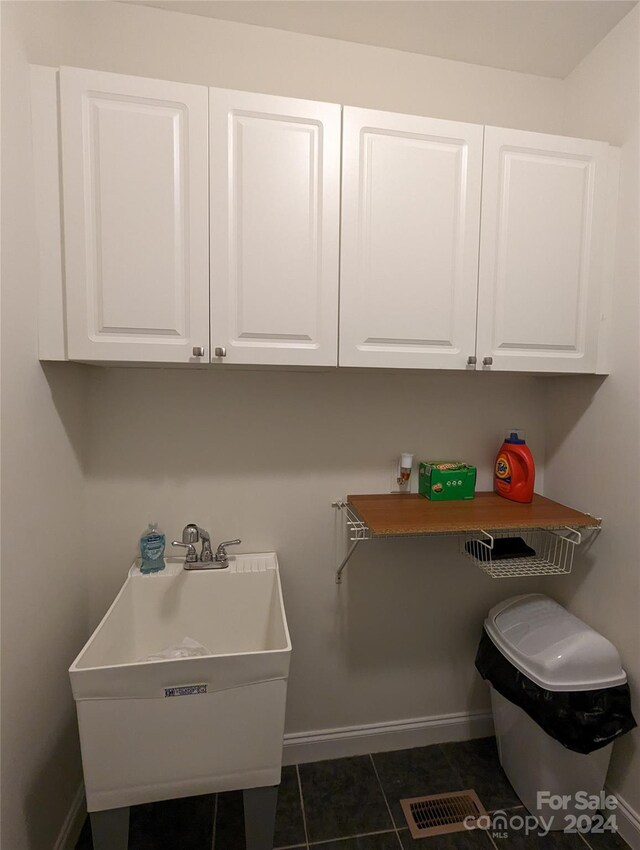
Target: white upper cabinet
[(409, 254), (203, 226), (275, 205), (134, 158), (542, 253)]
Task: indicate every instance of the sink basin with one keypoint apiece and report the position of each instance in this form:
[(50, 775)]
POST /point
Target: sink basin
[(155, 729), (237, 613)]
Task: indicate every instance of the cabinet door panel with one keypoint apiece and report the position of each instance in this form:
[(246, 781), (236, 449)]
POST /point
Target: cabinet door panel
[(541, 257), (136, 217), (410, 219), (275, 177)]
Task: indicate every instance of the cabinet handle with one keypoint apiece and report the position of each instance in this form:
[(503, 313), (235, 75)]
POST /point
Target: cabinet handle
[(472, 360), (198, 351), (220, 351), (487, 361)]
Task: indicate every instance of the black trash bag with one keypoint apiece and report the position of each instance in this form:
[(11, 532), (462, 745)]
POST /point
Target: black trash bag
[(582, 721)]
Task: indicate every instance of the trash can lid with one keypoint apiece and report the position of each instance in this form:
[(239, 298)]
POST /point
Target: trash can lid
[(551, 647)]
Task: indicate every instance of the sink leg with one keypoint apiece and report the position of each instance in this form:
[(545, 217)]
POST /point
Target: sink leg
[(110, 829), (260, 817)]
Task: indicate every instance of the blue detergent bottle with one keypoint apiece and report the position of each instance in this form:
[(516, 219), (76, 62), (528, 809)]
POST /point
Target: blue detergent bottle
[(152, 544)]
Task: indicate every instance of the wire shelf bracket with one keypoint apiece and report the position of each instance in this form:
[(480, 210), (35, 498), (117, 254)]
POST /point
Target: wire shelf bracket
[(357, 531)]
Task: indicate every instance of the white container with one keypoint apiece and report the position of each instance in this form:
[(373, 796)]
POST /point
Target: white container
[(558, 652), (153, 730)]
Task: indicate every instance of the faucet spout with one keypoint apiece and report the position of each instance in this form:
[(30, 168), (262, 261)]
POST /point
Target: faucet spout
[(206, 556)]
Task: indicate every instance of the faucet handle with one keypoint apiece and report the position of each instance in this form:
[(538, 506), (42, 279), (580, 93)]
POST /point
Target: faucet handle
[(192, 555), (221, 556)]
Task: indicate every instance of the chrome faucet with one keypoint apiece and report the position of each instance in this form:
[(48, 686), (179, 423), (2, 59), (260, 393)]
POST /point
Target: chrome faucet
[(191, 533)]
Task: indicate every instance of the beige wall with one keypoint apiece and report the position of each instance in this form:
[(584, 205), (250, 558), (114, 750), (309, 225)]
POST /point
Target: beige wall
[(254, 454), (260, 456), (44, 580), (593, 435), (150, 42)]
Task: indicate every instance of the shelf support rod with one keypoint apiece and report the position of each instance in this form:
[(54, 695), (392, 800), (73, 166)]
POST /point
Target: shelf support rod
[(345, 560)]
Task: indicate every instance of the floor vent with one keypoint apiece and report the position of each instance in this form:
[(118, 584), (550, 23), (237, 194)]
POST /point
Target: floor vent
[(457, 811)]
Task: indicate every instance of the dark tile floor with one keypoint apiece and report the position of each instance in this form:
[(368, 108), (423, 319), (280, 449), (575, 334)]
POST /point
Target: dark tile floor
[(352, 804)]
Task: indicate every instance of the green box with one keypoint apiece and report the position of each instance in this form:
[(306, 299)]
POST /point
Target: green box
[(446, 480)]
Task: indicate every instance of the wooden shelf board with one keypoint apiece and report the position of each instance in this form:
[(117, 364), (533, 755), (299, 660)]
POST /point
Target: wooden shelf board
[(394, 515)]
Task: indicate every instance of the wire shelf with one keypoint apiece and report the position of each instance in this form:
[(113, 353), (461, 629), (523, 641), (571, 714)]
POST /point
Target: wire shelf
[(552, 551), (551, 548)]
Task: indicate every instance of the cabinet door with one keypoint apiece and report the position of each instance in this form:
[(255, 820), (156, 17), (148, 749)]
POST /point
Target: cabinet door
[(134, 158), (409, 261), (275, 187), (542, 251)]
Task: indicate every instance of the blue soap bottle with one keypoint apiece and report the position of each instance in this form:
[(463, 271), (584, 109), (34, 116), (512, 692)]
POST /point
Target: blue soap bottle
[(152, 545)]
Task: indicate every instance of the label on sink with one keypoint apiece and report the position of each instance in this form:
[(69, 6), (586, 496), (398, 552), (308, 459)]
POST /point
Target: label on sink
[(185, 690)]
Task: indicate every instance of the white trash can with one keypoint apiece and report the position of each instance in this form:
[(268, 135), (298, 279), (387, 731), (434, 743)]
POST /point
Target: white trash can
[(557, 652)]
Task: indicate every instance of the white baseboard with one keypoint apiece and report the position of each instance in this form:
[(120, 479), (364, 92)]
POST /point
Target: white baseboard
[(301, 747), (70, 832), (628, 822)]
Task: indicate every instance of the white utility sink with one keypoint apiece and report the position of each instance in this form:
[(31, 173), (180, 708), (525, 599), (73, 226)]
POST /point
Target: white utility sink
[(152, 730)]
